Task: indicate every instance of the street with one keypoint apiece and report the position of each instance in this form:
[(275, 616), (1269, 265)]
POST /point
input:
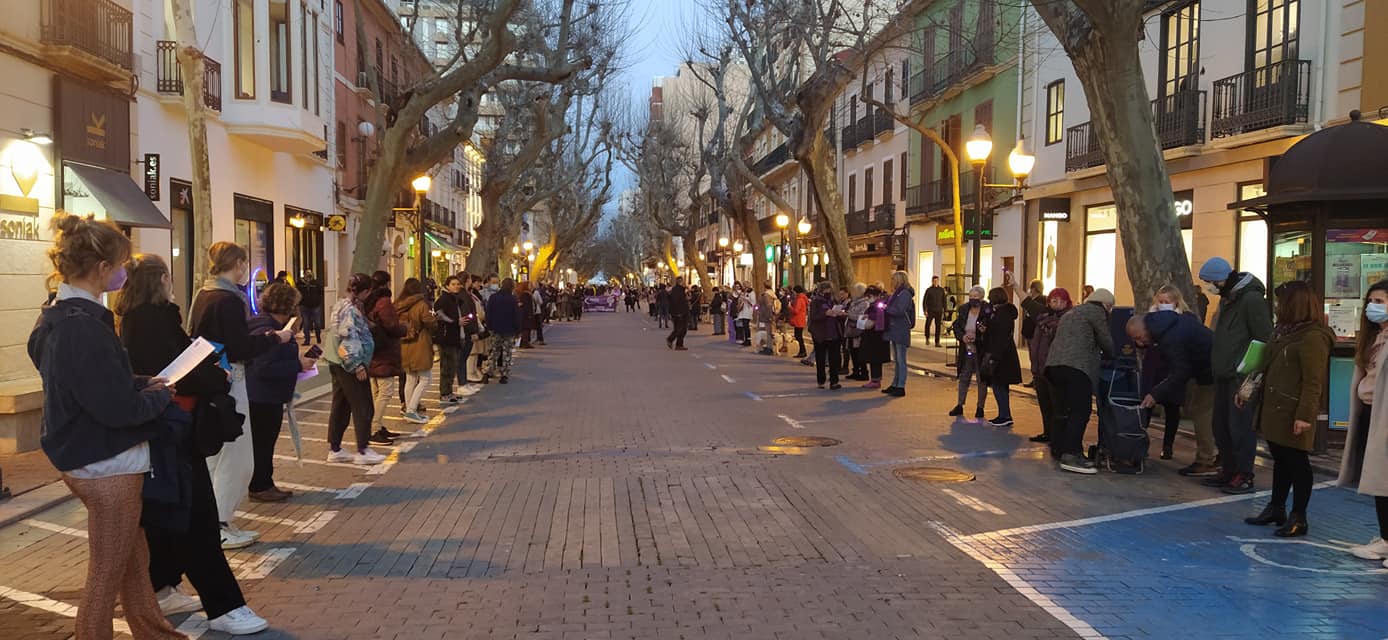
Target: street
[(616, 489)]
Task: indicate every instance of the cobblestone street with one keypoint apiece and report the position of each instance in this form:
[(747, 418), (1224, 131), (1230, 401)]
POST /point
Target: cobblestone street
[(615, 489)]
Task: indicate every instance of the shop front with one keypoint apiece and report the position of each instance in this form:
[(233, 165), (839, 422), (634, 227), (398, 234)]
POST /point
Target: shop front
[(254, 218), (872, 259), (303, 242), (1326, 212)]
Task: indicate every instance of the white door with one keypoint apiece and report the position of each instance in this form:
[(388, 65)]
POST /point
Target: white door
[(925, 270)]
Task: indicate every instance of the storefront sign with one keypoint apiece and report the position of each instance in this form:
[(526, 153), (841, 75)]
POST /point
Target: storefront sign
[(15, 226), (1184, 203), (337, 222), (944, 234), (152, 176), (1055, 209), (899, 247), (93, 127)]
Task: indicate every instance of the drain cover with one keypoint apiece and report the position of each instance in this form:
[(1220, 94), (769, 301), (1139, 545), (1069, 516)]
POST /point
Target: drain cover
[(805, 441), (933, 474)]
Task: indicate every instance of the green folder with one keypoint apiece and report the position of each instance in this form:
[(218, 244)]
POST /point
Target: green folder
[(1253, 358)]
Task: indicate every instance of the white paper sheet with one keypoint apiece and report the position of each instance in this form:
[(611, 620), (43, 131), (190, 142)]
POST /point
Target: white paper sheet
[(188, 360)]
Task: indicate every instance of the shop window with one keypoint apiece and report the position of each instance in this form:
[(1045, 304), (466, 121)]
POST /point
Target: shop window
[(1355, 258), (253, 219), (1050, 243), (1253, 236), (1101, 246)]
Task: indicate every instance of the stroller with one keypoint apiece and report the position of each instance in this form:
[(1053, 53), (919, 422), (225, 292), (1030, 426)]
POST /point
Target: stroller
[(1123, 439)]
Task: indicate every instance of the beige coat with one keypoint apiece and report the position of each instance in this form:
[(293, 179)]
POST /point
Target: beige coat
[(1368, 467)]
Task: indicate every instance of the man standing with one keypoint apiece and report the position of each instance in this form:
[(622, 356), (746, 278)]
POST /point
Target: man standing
[(448, 336), (934, 303), (1032, 306), (679, 315), (717, 307), (311, 307), (1242, 317)]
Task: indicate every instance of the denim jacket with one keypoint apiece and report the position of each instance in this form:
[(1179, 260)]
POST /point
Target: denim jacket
[(349, 343)]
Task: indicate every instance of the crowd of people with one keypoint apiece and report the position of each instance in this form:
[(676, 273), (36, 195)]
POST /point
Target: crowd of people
[(162, 466)]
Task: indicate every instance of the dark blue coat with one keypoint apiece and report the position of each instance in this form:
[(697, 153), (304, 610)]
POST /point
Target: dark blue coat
[(272, 375), (503, 314), (1184, 345)]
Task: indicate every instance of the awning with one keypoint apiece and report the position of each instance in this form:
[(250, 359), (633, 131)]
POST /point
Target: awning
[(441, 243), (124, 202)]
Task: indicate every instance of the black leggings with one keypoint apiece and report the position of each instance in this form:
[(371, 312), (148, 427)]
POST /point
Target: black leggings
[(826, 356), (800, 339), (1381, 506), (1291, 472), (1074, 397), (266, 419)]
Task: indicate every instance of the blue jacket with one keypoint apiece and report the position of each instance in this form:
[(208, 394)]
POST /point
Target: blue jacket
[(1184, 344), (272, 375), (901, 316), (94, 407), (503, 314)]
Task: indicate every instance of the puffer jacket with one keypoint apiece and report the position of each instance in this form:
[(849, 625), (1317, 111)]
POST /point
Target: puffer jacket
[(1182, 344), (386, 330), (417, 346), (1082, 335), (1243, 316)]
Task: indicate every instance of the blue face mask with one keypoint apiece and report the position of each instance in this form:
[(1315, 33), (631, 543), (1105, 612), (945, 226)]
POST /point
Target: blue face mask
[(1376, 312)]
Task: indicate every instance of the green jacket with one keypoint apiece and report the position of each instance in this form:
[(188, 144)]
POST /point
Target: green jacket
[(1293, 381), (1243, 316)]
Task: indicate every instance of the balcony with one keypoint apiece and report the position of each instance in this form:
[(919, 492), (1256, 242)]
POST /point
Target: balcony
[(774, 158), (946, 71), (1082, 148), (169, 80), (938, 195), (92, 38), (1180, 119), (882, 122), (1271, 96), (879, 219)]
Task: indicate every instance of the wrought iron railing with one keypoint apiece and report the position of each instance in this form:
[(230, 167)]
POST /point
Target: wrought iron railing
[(99, 27), (944, 72), (1180, 119), (914, 203), (1273, 95), (168, 78), (1082, 148), (774, 158)]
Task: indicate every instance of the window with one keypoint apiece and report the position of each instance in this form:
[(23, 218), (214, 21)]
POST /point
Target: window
[(867, 189), (1055, 111), (985, 40), (983, 114), (887, 86), (1253, 235), (1100, 246), (905, 77), (337, 20), (380, 57), (1274, 28), (281, 86), (244, 25), (902, 164), (304, 44), (341, 143), (1180, 45), (852, 193), (315, 67), (886, 181)]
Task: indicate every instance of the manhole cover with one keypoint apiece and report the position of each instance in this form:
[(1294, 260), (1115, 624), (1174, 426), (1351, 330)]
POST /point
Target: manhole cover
[(805, 441), (933, 474)]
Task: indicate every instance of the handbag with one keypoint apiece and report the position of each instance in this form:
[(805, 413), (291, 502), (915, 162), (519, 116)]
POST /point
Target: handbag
[(215, 422), (987, 366), (1250, 386)]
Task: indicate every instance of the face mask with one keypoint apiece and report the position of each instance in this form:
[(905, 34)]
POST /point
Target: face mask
[(1376, 312), (116, 280), (1166, 307), (1212, 289)]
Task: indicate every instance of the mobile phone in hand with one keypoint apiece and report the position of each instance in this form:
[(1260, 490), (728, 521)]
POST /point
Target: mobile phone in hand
[(314, 352)]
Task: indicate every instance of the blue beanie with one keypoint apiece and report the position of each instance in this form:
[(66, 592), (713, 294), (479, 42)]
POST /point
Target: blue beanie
[(1216, 270)]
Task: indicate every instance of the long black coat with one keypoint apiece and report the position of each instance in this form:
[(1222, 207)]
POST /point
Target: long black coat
[(999, 345)]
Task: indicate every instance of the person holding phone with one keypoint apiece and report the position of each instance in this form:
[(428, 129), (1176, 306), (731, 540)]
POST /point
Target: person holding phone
[(826, 330), (270, 381), (348, 353)]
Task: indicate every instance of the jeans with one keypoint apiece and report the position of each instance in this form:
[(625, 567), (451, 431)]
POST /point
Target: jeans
[(968, 372), (744, 331), (681, 329), (415, 383), (1233, 428), (938, 319), (1002, 395), (1074, 395), (1291, 472), (311, 319), (899, 366), (826, 357), (266, 419), (448, 367), (718, 324), (197, 552), (351, 400)]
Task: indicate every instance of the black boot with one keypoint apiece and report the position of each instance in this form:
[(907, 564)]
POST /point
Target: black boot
[(1295, 528), (1272, 514)]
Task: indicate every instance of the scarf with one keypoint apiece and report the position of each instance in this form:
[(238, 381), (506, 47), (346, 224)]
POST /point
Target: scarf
[(216, 283), (1283, 330)]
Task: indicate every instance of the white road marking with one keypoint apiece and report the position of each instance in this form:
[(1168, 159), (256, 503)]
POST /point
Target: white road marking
[(965, 544), (710, 365), (325, 463), (753, 396), (50, 605), (794, 424), (1249, 548), (306, 488), (258, 566), (728, 379), (784, 395), (55, 528), (973, 503), (311, 525), (352, 491)]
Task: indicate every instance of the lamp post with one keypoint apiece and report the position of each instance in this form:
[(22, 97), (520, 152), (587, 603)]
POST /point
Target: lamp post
[(722, 251), (529, 248), (421, 187), (782, 221), (978, 147), (796, 259)]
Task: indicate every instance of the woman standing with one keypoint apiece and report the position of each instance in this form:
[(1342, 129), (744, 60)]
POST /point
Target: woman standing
[(503, 319), (417, 347), (348, 352), (527, 313), (97, 423), (874, 348), (1002, 367), (970, 321), (386, 332), (1293, 379), (853, 333), (1046, 323), (826, 330), (766, 317), (901, 318), (1365, 459), (152, 330), (1072, 367), (798, 310), (270, 381), (220, 314), (744, 316)]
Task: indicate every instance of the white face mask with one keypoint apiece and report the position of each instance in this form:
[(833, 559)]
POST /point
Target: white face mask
[(1212, 289), (1166, 307)]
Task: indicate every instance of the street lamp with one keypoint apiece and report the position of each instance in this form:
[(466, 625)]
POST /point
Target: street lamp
[(782, 221), (1019, 162), (801, 228), (421, 186)]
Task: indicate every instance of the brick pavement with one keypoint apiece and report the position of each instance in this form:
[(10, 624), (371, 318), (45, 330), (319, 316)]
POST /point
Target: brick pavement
[(618, 489)]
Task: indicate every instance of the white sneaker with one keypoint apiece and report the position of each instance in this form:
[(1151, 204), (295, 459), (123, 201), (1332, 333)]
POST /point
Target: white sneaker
[(341, 455), (235, 539), (240, 621), (467, 390), (415, 418), (1377, 549), (172, 601), (368, 457), (253, 535)]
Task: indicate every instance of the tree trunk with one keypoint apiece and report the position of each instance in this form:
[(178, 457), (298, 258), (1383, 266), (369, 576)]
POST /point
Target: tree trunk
[(691, 254), (751, 232), (193, 68), (487, 239), (819, 166)]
